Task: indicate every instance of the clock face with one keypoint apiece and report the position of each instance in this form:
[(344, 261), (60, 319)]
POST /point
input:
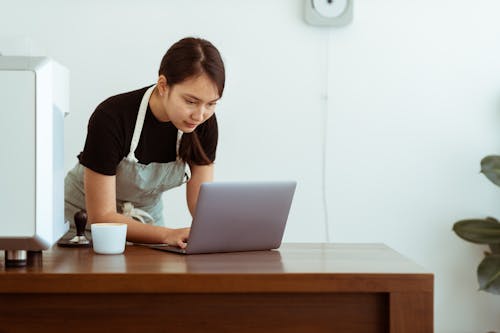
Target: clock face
[(328, 13), (330, 8)]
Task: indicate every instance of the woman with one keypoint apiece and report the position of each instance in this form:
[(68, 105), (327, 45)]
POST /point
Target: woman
[(144, 142)]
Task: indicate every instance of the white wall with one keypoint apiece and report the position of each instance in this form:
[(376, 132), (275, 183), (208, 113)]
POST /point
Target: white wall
[(413, 105)]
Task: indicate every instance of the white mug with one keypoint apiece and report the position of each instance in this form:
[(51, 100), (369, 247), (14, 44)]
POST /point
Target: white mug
[(108, 238)]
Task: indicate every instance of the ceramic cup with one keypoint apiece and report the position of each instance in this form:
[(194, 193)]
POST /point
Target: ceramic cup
[(109, 238)]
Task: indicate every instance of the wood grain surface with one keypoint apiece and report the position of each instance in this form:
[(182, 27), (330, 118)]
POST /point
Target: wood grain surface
[(298, 288)]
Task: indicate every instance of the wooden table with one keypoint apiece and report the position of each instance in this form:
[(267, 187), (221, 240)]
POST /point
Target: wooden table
[(298, 288)]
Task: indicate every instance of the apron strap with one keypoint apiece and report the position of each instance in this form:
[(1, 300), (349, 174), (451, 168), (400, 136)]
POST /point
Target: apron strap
[(136, 213), (178, 143), (139, 123), (187, 169)]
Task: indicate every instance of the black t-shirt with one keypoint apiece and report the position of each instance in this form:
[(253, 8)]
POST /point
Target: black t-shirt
[(110, 130)]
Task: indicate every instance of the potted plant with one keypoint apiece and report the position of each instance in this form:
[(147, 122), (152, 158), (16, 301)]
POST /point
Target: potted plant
[(485, 231)]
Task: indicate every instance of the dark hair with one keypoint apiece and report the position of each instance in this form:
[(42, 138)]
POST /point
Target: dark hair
[(188, 58)]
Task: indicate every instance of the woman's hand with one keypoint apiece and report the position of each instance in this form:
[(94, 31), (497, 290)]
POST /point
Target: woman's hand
[(177, 237)]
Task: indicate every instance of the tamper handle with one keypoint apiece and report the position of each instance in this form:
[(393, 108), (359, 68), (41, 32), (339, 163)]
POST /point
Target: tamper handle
[(80, 222)]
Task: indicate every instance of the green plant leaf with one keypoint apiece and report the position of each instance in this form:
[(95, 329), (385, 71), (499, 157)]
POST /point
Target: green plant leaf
[(490, 167), (492, 219), (488, 274), (495, 248), (480, 231)]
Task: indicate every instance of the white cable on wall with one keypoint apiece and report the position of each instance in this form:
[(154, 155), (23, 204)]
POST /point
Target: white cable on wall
[(325, 137)]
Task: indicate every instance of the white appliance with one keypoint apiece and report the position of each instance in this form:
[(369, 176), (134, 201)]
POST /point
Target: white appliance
[(34, 98)]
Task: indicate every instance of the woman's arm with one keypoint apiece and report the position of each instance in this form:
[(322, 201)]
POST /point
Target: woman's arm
[(199, 174), (100, 201)]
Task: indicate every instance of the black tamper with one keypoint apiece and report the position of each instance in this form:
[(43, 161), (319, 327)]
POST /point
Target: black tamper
[(80, 240)]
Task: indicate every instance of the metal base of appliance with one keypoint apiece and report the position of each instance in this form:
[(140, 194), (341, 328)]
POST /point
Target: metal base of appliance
[(16, 258)]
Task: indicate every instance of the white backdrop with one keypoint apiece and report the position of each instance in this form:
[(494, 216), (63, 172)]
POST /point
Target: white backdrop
[(410, 93)]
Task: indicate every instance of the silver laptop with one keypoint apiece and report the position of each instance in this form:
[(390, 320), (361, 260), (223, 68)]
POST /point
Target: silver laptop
[(238, 216)]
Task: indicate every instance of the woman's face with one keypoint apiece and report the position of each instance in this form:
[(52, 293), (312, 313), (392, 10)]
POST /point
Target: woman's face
[(190, 103)]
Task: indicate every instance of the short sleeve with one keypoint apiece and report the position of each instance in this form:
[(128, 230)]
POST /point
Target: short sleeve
[(103, 148)]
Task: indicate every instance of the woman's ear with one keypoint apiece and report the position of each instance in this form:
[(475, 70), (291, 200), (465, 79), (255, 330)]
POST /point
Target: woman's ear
[(162, 85)]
